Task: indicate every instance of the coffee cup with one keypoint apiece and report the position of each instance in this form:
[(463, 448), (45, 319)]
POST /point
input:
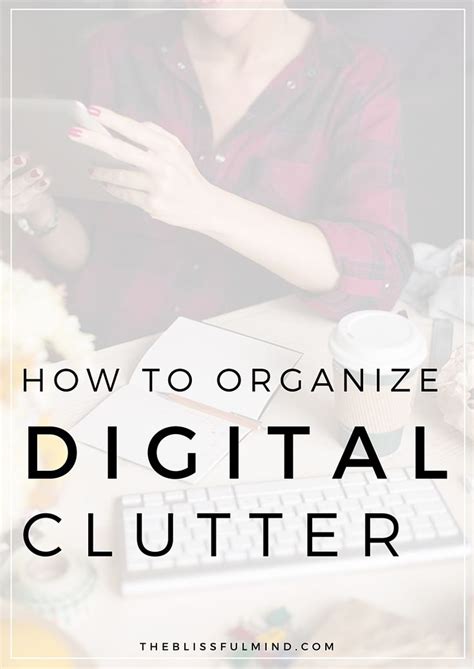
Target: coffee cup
[(375, 346)]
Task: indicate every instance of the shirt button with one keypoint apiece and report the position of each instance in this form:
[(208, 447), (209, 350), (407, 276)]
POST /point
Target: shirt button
[(181, 65), (291, 84), (386, 285), (311, 73), (202, 157), (219, 158), (200, 106), (163, 48)]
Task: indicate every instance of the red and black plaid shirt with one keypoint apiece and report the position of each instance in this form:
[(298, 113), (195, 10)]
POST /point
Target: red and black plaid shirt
[(320, 144)]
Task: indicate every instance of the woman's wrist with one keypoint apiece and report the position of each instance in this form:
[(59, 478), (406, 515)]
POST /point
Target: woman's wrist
[(44, 216), (214, 212), (39, 222)]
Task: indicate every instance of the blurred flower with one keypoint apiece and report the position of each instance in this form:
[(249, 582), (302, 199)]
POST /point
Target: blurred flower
[(34, 324), (37, 320), (456, 389)]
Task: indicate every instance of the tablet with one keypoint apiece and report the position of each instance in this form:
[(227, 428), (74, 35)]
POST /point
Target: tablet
[(40, 128)]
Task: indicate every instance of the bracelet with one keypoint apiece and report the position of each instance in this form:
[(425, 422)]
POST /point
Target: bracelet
[(26, 227)]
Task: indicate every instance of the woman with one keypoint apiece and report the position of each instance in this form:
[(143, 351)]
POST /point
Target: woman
[(261, 150)]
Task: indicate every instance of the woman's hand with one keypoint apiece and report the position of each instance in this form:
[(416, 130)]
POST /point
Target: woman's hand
[(25, 194), (165, 182), (163, 179), (65, 245)]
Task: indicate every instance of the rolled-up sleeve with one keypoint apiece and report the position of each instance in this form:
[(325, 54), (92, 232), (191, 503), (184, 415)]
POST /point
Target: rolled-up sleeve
[(363, 212)]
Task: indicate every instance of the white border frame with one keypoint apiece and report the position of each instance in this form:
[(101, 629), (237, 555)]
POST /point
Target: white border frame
[(205, 658)]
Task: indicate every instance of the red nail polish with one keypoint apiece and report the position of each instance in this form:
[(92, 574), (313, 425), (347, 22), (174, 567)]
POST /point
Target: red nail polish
[(75, 132), (19, 160), (35, 173), (94, 111)]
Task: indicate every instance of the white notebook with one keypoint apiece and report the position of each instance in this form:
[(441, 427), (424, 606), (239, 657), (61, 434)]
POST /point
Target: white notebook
[(203, 350)]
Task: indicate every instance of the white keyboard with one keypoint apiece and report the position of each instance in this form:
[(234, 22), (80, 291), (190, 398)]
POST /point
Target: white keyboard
[(427, 530)]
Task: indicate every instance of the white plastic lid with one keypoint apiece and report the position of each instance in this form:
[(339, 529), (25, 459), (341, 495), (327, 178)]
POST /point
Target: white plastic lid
[(377, 339)]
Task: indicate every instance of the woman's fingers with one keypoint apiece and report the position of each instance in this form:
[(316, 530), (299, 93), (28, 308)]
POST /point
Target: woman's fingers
[(163, 134), (116, 148), (125, 178), (21, 183), (11, 165), (140, 133), (135, 197), (22, 202)]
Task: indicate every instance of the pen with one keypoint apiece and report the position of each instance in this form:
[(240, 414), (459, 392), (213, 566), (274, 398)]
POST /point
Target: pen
[(228, 416)]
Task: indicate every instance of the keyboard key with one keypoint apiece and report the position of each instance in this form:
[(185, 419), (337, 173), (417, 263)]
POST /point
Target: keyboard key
[(397, 475), (334, 493), (354, 491), (269, 500), (131, 500), (287, 537), (152, 498), (409, 485), (424, 533), (220, 492), (195, 547), (201, 531), (371, 503), (341, 520), (226, 505), (242, 516), (293, 498), (182, 509), (355, 517), (295, 523), (204, 507), (447, 530), (376, 488), (404, 511), (415, 496), (428, 508), (284, 550), (256, 552), (445, 525), (392, 500), (331, 544), (381, 527), (243, 541), (404, 536), (354, 541), (349, 504), (251, 528), (226, 529), (196, 495), (249, 502), (325, 507), (174, 496)]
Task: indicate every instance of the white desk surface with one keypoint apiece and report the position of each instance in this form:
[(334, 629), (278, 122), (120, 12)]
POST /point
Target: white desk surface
[(421, 591)]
